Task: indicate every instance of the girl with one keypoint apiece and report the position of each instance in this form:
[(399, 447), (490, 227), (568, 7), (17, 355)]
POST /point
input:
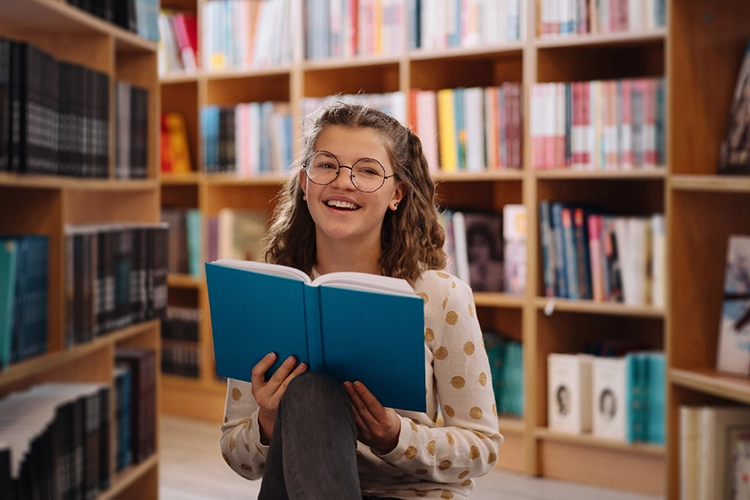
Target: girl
[(364, 201)]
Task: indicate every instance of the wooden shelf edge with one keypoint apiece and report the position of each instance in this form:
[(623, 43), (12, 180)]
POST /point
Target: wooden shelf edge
[(485, 175), (506, 48), (490, 299), (181, 179), (33, 181), (617, 38), (52, 360), (125, 478), (543, 433), (275, 179), (187, 383), (351, 62), (719, 183), (659, 173), (184, 281), (511, 425), (551, 304), (711, 382)]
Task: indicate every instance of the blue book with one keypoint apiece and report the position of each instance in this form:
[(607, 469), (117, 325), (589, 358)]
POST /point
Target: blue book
[(8, 256), (656, 398), (634, 397), (350, 326)]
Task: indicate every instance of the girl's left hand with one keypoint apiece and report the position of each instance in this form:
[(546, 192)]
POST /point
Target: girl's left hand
[(379, 427)]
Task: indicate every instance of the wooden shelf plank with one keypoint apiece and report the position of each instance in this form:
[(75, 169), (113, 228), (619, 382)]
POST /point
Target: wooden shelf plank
[(511, 425), (181, 179), (487, 175), (489, 299), (550, 304), (228, 74), (711, 183), (565, 173), (508, 48), (78, 183), (351, 62), (545, 434), (195, 384), (234, 180), (128, 476), (184, 281), (620, 38), (714, 383)]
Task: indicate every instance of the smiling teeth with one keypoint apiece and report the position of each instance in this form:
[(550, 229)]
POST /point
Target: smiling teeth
[(342, 204)]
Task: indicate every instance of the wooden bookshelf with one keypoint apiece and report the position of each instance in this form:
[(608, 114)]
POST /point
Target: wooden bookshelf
[(36, 204), (698, 53)]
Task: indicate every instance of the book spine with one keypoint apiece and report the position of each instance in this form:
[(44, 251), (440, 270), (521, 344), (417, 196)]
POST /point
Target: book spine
[(315, 353)]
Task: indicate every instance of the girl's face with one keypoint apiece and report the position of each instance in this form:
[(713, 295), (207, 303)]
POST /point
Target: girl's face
[(340, 211)]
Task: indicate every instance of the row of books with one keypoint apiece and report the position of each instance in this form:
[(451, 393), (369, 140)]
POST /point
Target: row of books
[(184, 254), (472, 129), (590, 255), (247, 139), (236, 234), (24, 278), (487, 250), (178, 42), (506, 367), (135, 413), (138, 16), (577, 17), (131, 131), (115, 276), (248, 33), (174, 152), (598, 125), (462, 23), (345, 28), (180, 336), (620, 398), (714, 460), (390, 103), (54, 115)]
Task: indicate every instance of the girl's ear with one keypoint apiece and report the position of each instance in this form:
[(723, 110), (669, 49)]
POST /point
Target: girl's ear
[(398, 195)]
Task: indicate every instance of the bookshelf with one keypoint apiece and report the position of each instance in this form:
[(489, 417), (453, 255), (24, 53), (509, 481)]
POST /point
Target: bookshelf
[(698, 54), (41, 204)]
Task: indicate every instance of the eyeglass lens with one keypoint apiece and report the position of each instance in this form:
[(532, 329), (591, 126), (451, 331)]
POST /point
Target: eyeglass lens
[(367, 174)]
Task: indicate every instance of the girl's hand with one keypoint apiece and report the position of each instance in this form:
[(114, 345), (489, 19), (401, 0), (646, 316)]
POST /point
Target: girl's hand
[(268, 393), (378, 427)]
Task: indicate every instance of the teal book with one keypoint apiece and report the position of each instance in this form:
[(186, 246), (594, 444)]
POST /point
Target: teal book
[(350, 326), (656, 395), (8, 253), (634, 395), (194, 239)]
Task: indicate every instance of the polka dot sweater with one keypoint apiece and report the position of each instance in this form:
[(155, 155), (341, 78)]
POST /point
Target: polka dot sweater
[(435, 457)]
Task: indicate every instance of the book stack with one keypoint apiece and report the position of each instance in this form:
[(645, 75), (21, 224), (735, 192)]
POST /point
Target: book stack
[(391, 103), (236, 234), (440, 25), (598, 125), (178, 43), (619, 397), (588, 255), (54, 114), (506, 366), (579, 17), (55, 441), (247, 139), (24, 278), (115, 276), (138, 16), (131, 131), (184, 255), (248, 33), (143, 368), (123, 391), (473, 129), (180, 352)]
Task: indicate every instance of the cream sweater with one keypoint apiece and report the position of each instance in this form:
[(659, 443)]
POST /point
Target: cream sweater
[(434, 458)]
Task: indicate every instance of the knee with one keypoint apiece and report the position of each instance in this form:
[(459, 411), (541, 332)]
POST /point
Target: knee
[(314, 389)]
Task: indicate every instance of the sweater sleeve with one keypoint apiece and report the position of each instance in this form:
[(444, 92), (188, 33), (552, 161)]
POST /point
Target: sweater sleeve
[(466, 445), (240, 434)]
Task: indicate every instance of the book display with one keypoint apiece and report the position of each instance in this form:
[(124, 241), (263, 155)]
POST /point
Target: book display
[(81, 274), (589, 111)]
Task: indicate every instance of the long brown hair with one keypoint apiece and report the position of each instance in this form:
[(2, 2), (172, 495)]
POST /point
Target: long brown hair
[(412, 236)]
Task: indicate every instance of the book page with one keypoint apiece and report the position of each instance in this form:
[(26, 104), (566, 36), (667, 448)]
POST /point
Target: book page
[(265, 268), (366, 282)]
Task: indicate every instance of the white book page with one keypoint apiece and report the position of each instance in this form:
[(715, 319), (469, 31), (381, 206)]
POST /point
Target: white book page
[(365, 281), (265, 268)]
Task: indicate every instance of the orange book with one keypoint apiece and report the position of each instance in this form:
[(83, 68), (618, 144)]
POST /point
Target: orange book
[(177, 143)]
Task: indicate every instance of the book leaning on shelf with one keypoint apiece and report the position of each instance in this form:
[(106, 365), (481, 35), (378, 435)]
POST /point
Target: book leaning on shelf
[(350, 326), (734, 154)]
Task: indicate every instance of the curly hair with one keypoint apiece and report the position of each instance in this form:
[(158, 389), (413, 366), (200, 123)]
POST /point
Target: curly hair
[(411, 238)]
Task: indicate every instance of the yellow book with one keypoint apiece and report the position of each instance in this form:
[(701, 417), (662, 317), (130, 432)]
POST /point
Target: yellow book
[(179, 153), (447, 131)]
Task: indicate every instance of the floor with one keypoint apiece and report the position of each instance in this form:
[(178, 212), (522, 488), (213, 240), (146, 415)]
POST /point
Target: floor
[(191, 468)]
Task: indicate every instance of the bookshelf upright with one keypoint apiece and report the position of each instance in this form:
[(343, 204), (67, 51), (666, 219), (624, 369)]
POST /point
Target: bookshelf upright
[(45, 204)]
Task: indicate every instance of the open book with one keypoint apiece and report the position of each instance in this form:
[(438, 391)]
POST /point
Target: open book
[(350, 326)]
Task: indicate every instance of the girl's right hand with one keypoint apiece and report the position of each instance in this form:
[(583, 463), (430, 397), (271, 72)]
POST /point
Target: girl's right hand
[(268, 393)]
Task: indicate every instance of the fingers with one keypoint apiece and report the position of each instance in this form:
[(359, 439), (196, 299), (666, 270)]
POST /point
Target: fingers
[(268, 393)]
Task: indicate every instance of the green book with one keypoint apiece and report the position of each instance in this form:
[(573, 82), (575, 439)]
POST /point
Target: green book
[(8, 253)]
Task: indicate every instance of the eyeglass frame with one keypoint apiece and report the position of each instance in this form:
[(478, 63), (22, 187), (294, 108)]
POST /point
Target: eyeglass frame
[(351, 170)]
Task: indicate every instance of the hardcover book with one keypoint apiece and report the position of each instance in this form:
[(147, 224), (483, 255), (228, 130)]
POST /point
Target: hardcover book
[(734, 330), (734, 154), (350, 326), (569, 388)]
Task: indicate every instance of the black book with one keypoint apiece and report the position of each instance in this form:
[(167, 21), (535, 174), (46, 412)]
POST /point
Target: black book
[(4, 103)]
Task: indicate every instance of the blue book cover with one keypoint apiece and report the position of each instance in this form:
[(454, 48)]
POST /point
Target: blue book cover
[(633, 376), (8, 256), (350, 326), (656, 398)]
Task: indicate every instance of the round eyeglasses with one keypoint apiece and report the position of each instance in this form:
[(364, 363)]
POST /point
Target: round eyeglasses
[(367, 174)]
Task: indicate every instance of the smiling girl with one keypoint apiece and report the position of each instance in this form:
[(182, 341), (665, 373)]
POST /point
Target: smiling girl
[(364, 201)]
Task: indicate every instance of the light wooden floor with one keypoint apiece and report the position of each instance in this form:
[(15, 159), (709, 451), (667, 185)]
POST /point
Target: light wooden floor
[(191, 468)]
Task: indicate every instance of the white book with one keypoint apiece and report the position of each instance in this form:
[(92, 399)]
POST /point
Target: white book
[(689, 424), (427, 126), (569, 388), (733, 353), (459, 244), (609, 398), (717, 426), (514, 241), (474, 120), (658, 260)]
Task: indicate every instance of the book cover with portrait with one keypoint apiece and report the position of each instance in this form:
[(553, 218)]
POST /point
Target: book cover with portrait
[(608, 401), (569, 392), (733, 354)]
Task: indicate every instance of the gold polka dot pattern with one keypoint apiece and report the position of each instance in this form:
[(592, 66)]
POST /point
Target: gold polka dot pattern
[(453, 284), (411, 453), (458, 382), (451, 318), (466, 483), (445, 276), (246, 467), (476, 413), (482, 379), (463, 474), (492, 458), (429, 335), (474, 452), (421, 472), (236, 394), (445, 465), (260, 450), (431, 447), (469, 348), (447, 494), (226, 459), (424, 297), (445, 303), (449, 411), (421, 493), (441, 353), (413, 426), (231, 444), (450, 438)]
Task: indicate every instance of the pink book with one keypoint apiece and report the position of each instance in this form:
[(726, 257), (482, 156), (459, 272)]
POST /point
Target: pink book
[(626, 128)]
